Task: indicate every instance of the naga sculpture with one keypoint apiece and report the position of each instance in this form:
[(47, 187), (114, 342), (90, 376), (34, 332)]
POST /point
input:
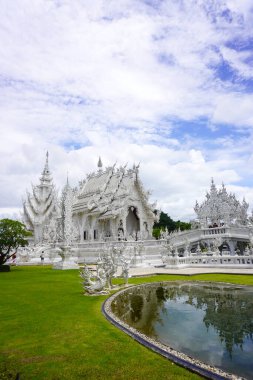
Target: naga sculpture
[(109, 260), (94, 283)]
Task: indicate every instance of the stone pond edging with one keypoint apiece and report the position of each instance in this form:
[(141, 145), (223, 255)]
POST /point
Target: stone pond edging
[(177, 357)]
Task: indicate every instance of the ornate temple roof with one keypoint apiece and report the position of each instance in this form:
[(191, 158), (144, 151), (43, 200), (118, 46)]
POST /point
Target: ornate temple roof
[(106, 191), (219, 207)]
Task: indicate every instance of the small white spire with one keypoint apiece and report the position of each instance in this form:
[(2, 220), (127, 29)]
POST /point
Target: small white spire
[(213, 187), (46, 175), (46, 169), (100, 164)]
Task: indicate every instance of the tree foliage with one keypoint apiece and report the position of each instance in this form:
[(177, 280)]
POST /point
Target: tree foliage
[(171, 225), (13, 234)]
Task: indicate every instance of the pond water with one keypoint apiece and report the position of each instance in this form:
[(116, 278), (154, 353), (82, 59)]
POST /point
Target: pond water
[(207, 321)]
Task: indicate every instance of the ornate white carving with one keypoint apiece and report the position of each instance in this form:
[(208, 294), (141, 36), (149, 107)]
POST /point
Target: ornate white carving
[(109, 260), (93, 283), (41, 205), (221, 208)]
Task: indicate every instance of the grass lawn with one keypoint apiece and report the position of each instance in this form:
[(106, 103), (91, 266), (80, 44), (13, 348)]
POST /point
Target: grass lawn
[(50, 330)]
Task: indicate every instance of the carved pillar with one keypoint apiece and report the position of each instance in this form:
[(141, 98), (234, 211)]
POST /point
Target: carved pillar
[(232, 244), (114, 228)]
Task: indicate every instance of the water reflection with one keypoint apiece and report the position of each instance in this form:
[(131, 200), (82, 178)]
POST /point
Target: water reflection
[(211, 322)]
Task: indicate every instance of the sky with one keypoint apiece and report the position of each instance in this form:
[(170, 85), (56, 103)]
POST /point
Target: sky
[(164, 83)]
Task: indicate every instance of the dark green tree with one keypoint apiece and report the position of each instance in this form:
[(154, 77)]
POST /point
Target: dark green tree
[(13, 234), (183, 225), (165, 221)]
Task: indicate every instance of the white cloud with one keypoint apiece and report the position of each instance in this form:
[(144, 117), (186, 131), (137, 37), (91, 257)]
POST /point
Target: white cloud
[(235, 109)]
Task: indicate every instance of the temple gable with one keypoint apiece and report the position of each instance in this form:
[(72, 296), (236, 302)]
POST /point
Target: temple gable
[(112, 203)]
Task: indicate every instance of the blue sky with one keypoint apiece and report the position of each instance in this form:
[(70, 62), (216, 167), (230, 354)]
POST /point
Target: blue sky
[(165, 83)]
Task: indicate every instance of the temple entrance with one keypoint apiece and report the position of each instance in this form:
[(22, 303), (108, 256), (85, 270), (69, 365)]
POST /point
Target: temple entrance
[(132, 222)]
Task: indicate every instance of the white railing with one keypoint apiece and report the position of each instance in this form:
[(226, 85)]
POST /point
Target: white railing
[(214, 231), (211, 261)]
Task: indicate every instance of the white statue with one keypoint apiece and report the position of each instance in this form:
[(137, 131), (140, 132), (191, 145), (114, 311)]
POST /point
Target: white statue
[(217, 242), (247, 251), (94, 283), (108, 262)]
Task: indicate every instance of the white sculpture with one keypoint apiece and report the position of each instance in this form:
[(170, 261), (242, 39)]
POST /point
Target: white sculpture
[(107, 265), (187, 248), (125, 263), (94, 283), (217, 242), (247, 251), (167, 252), (198, 249), (107, 262), (67, 231)]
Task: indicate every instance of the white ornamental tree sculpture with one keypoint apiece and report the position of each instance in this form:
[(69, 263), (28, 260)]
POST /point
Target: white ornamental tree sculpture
[(41, 205)]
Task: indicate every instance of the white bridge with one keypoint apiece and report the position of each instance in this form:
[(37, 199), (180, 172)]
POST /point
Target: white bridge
[(234, 237)]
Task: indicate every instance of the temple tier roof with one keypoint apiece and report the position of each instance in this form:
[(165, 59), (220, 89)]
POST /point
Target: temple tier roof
[(105, 192)]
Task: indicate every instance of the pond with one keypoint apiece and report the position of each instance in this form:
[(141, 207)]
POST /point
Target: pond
[(210, 322)]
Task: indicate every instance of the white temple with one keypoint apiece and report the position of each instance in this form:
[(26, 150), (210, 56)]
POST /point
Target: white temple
[(111, 206)]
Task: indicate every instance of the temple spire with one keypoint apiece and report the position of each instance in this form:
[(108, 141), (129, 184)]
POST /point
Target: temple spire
[(46, 168), (213, 187), (46, 175), (100, 164)]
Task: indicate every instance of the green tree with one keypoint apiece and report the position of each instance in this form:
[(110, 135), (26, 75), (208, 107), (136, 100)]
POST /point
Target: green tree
[(13, 234), (183, 225), (156, 233), (165, 221)]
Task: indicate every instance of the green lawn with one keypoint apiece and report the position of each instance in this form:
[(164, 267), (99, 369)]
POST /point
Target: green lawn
[(50, 330)]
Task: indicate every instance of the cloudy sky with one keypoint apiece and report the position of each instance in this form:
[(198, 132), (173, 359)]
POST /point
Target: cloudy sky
[(167, 83)]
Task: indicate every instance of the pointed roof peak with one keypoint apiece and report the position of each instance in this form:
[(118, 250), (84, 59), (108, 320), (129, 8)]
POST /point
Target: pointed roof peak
[(213, 187), (67, 186), (46, 175), (100, 164), (46, 167)]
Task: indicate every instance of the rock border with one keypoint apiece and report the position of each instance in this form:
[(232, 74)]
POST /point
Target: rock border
[(177, 357)]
